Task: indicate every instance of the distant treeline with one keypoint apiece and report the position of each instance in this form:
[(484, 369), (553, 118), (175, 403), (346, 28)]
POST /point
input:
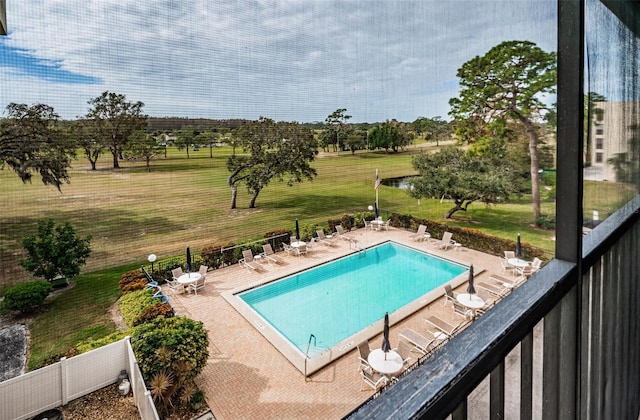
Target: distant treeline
[(178, 123)]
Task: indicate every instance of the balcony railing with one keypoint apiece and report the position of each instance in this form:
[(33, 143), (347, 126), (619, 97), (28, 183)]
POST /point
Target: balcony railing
[(574, 327)]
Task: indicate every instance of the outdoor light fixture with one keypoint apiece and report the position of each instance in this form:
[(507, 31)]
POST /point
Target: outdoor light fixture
[(370, 208), (152, 258)]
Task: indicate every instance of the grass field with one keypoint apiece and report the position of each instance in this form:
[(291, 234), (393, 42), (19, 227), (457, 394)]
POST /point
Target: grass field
[(131, 213)]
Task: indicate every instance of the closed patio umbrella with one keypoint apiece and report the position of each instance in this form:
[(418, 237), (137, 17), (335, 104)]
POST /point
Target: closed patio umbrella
[(377, 213), (188, 260), (297, 230), (386, 346), (470, 289), (518, 247)]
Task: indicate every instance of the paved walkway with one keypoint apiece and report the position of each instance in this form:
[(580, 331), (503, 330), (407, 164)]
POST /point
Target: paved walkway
[(246, 377)]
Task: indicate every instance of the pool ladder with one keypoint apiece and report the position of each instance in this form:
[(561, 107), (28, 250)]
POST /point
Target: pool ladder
[(311, 336)]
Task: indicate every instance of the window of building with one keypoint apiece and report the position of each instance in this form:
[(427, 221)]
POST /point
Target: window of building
[(598, 157), (599, 143)]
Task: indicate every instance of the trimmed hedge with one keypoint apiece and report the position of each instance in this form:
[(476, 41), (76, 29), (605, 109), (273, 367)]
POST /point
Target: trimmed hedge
[(133, 304)]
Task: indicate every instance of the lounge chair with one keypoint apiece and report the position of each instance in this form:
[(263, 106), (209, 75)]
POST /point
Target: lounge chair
[(444, 327), (322, 238), (446, 241), (197, 285), (363, 355), (498, 290), (419, 341), (373, 380), (449, 294), (248, 261), (510, 283), (342, 234), (419, 235), (270, 255)]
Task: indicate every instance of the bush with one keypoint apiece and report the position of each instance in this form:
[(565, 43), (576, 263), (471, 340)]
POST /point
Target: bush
[(152, 312), (24, 297), (89, 345), (546, 221), (133, 304), (183, 339), (131, 281)]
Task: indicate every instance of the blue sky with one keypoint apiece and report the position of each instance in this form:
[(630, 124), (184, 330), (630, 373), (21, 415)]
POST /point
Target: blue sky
[(287, 60)]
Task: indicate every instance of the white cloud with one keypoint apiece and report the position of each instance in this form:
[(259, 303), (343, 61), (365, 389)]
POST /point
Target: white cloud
[(288, 60)]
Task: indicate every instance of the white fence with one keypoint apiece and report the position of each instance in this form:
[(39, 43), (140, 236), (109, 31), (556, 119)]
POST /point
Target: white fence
[(26, 395)]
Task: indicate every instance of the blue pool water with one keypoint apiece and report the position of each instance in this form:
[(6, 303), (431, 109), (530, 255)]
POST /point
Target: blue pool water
[(338, 299)]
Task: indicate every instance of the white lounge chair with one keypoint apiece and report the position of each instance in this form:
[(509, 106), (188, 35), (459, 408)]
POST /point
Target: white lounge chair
[(419, 235), (419, 341), (446, 241), (248, 261), (270, 255), (497, 290), (444, 327), (342, 234), (323, 239)]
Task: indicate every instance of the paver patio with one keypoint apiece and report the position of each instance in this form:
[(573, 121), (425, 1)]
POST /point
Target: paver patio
[(246, 377)]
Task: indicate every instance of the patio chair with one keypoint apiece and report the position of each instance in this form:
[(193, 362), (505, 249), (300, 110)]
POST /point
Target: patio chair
[(419, 341), (175, 286), (203, 270), (301, 249), (373, 380), (197, 285), (248, 261), (524, 273), (176, 272), (270, 255), (404, 350), (446, 241), (463, 311), (363, 354), (386, 225), (322, 238), (287, 248), (367, 224), (419, 235), (449, 294)]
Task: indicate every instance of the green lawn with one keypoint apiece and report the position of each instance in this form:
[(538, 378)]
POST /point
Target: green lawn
[(132, 213)]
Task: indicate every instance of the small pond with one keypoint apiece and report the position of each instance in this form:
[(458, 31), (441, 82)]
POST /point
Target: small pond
[(399, 182)]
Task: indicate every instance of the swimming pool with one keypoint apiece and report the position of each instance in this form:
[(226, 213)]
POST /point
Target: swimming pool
[(322, 309)]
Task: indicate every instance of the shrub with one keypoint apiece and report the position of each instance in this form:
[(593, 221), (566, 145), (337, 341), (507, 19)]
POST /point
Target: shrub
[(132, 280), (546, 221), (24, 297), (152, 312), (134, 303), (183, 339)]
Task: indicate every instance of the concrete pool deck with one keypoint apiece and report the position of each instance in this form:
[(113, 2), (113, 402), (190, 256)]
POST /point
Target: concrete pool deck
[(247, 377)]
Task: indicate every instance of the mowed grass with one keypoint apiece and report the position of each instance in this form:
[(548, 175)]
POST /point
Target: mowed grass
[(182, 202)]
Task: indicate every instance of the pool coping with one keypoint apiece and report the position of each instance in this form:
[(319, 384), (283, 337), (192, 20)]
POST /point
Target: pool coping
[(297, 358)]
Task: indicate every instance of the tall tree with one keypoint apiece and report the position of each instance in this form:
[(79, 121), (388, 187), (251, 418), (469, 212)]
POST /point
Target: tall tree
[(144, 146), (508, 83), (115, 119), (88, 140), (389, 135), (273, 150), (32, 141), (336, 128), (462, 177)]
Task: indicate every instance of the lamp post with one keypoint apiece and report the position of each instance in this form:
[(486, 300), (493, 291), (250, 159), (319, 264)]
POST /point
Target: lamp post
[(152, 258)]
